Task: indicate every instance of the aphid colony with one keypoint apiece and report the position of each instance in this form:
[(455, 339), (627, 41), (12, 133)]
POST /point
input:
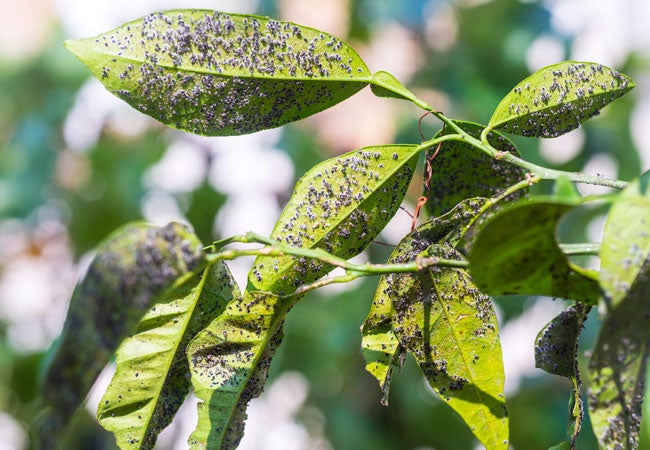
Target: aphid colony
[(562, 99), (437, 296), (200, 70), (332, 210)]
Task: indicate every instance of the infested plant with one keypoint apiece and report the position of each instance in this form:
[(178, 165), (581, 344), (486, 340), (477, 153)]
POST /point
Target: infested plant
[(166, 305)]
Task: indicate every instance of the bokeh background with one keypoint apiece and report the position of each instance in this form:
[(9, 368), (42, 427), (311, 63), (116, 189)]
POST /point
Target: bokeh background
[(76, 162)]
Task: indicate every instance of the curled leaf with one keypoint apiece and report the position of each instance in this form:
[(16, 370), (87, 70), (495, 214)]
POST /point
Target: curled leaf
[(558, 98), (516, 253), (215, 73), (556, 352), (617, 370), (135, 267), (384, 84)]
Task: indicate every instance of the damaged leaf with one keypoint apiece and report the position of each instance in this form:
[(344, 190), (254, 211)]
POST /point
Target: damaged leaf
[(135, 267), (340, 205), (617, 370), (460, 171), (559, 98), (218, 74), (229, 363)]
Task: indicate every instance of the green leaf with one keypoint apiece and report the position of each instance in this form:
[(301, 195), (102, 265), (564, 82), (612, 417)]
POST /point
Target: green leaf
[(516, 253), (451, 329), (565, 188), (617, 370), (402, 318), (384, 84), (556, 345), (151, 379), (135, 267), (626, 240), (461, 171), (561, 446), (340, 205), (559, 98), (229, 361), (380, 348), (556, 352), (214, 73)]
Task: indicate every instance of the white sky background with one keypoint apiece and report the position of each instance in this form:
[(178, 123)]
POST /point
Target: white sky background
[(603, 30)]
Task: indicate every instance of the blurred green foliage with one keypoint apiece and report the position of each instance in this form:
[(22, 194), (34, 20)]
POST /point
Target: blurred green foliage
[(322, 332)]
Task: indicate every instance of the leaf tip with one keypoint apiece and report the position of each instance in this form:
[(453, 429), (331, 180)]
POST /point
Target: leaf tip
[(74, 46)]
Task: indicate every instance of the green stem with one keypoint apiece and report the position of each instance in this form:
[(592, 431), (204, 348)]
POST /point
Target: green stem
[(274, 248), (539, 171), (590, 248)]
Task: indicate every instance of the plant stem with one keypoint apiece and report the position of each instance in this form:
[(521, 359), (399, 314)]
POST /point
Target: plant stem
[(590, 248), (539, 171), (274, 248)]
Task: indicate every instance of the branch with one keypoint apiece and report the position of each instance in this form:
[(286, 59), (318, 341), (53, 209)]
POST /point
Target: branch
[(274, 248), (539, 171)]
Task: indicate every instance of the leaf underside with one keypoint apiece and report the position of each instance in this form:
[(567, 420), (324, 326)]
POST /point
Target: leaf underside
[(214, 73), (557, 343), (151, 379), (617, 370), (229, 361), (450, 328), (460, 171), (558, 98), (556, 352), (516, 253), (134, 267)]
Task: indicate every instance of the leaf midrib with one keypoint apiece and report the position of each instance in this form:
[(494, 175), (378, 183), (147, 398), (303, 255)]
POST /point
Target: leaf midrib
[(198, 70)]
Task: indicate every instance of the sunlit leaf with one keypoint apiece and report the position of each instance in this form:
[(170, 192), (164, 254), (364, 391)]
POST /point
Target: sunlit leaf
[(340, 205), (626, 240), (152, 374), (451, 329), (556, 352), (229, 362), (561, 446), (516, 253), (558, 98), (216, 73), (416, 310), (617, 370), (383, 84), (379, 346), (461, 171), (135, 267)]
